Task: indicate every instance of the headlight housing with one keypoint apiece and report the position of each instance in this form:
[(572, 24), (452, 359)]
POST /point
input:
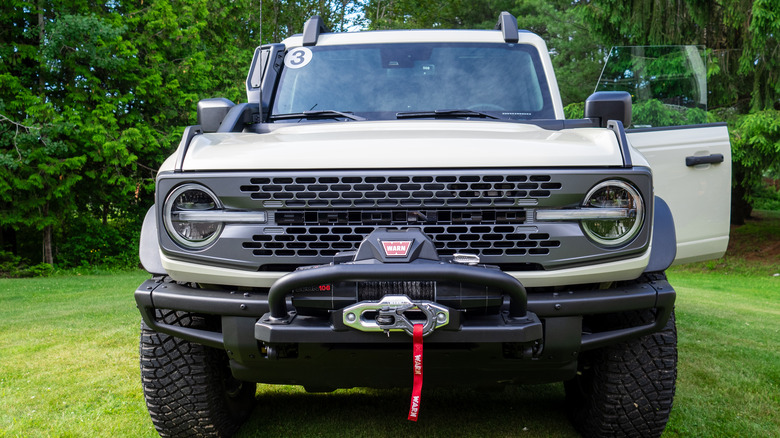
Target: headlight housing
[(625, 209), (184, 207)]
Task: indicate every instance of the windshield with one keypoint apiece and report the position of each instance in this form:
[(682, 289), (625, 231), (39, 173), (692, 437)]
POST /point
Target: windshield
[(378, 81)]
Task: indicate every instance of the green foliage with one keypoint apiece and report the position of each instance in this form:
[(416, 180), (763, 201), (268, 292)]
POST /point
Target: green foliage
[(574, 110), (86, 39), (93, 99), (420, 14), (41, 270), (91, 243), (766, 198), (755, 143), (655, 113), (12, 266), (675, 75), (577, 56), (282, 19)]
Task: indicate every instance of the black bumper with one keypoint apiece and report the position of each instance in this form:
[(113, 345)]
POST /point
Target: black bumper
[(512, 325), (535, 338)]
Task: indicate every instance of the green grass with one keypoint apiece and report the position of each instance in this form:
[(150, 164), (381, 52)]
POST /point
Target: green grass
[(69, 366), (729, 355), (69, 357)]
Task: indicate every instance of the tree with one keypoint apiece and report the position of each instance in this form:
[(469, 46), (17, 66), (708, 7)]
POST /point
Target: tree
[(576, 55), (283, 18), (94, 97)]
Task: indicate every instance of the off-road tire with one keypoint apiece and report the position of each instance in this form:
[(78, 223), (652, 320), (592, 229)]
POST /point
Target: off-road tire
[(627, 389), (188, 387)]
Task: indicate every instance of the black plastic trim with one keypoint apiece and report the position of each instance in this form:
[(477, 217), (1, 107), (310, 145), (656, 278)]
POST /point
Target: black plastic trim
[(312, 29), (189, 133), (664, 306), (558, 125), (507, 24), (617, 127), (144, 301), (678, 127), (708, 159), (494, 328), (271, 76), (664, 241), (238, 117)]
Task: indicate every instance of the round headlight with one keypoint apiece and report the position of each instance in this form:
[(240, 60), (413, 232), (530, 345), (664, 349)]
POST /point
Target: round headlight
[(617, 196), (181, 216)]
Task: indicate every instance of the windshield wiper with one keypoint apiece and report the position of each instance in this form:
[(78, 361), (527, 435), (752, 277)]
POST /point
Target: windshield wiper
[(455, 113), (323, 114)]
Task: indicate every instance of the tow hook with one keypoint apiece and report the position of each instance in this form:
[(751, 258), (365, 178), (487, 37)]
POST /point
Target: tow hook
[(390, 314)]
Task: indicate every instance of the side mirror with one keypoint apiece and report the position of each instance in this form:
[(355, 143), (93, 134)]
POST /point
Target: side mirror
[(211, 112), (609, 105)]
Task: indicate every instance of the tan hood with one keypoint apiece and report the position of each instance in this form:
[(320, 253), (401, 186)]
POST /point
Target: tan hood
[(404, 144)]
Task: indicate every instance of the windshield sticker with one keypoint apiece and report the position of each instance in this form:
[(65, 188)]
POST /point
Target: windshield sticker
[(298, 57)]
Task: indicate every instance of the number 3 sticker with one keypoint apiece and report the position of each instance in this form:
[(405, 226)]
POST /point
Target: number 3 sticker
[(297, 57)]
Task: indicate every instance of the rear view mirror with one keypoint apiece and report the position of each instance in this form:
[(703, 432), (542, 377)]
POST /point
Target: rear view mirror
[(609, 105), (211, 112)]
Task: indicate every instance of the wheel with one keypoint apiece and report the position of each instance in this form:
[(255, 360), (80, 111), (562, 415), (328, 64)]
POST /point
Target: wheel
[(188, 387), (626, 390)]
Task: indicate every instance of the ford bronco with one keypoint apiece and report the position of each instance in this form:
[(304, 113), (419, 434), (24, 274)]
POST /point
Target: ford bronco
[(379, 188)]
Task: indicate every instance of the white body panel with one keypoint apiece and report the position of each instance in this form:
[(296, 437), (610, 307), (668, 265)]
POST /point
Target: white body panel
[(699, 196), (404, 144), (612, 271)]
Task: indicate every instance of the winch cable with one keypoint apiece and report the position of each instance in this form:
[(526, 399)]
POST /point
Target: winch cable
[(417, 351)]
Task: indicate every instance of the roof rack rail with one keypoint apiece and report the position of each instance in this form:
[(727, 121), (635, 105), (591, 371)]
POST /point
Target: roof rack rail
[(507, 24), (312, 29)]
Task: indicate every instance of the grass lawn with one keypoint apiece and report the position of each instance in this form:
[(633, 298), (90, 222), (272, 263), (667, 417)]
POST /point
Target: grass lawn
[(69, 365)]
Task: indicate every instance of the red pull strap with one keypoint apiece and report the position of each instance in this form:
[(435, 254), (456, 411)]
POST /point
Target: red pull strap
[(417, 351)]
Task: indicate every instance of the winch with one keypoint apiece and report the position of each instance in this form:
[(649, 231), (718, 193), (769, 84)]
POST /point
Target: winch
[(409, 246)]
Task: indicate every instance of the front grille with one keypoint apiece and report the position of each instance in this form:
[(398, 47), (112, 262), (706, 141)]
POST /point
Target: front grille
[(326, 241), (494, 190), (319, 216)]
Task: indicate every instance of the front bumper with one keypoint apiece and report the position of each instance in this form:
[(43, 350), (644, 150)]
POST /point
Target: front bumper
[(536, 337), (526, 318)]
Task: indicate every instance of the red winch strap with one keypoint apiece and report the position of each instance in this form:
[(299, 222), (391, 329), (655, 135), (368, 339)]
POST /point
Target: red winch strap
[(417, 352)]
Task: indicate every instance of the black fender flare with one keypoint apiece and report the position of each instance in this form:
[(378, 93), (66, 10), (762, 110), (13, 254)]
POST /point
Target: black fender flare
[(664, 243)]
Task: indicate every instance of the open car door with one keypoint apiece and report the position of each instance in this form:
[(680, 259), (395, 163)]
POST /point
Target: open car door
[(691, 162), (692, 173)]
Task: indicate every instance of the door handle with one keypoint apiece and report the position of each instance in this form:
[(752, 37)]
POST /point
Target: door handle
[(707, 159)]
